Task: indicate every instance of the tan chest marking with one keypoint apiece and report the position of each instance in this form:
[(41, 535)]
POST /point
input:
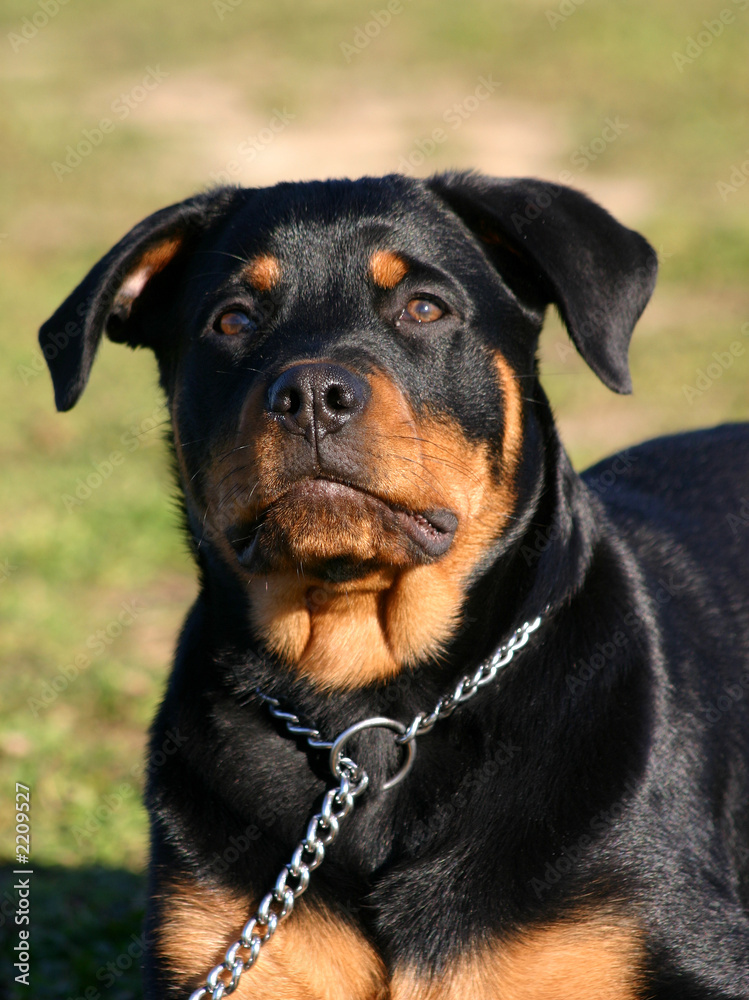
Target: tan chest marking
[(314, 955), (593, 958)]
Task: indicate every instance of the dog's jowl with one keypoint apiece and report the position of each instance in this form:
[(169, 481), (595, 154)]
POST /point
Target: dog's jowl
[(377, 500)]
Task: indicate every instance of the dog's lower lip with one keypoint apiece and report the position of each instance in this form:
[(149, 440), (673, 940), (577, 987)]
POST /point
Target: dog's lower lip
[(431, 530)]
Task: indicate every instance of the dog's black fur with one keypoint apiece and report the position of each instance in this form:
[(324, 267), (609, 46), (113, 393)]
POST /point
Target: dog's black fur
[(605, 775)]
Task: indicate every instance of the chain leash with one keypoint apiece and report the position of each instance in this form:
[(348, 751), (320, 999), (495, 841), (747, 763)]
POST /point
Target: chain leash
[(337, 804)]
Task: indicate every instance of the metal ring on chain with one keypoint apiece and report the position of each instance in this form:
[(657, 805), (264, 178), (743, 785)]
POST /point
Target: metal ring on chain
[(377, 722)]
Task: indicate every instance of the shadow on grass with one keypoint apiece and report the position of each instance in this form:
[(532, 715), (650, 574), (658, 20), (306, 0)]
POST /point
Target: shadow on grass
[(86, 934)]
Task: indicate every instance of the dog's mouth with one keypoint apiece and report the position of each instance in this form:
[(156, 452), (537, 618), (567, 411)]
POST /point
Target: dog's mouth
[(324, 522), (431, 530)]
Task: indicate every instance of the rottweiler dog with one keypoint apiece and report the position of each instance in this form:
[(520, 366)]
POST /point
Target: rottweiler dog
[(388, 530)]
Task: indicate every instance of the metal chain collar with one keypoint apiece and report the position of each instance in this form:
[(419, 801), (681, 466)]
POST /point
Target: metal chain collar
[(337, 804)]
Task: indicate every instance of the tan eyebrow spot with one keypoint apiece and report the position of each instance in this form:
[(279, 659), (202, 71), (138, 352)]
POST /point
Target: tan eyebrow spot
[(386, 268), (263, 272)]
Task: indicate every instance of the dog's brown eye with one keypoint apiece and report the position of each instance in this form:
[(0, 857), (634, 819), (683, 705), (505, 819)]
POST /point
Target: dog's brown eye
[(424, 310), (234, 322)]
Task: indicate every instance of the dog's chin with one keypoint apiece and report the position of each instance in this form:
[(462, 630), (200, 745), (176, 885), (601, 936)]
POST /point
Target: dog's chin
[(334, 532)]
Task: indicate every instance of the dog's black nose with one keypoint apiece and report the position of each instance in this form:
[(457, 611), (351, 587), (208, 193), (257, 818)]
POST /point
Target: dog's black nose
[(316, 399)]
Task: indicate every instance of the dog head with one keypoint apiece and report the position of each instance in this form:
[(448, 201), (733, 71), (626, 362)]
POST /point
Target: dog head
[(350, 368)]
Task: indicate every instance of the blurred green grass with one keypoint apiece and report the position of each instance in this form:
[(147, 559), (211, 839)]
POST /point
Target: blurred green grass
[(65, 574), (87, 934)]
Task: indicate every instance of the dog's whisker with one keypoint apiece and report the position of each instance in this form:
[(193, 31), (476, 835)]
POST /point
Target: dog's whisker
[(225, 253), (232, 451), (187, 444)]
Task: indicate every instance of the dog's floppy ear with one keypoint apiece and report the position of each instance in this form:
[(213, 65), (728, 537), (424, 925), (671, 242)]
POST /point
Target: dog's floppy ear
[(108, 297), (599, 273)]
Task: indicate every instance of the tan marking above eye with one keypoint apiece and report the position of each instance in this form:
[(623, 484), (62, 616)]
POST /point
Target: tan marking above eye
[(424, 310), (233, 322), (263, 272), (387, 269)]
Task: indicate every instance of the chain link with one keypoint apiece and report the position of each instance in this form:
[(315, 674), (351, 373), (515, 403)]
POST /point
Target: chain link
[(337, 804), (469, 684), (293, 880)]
